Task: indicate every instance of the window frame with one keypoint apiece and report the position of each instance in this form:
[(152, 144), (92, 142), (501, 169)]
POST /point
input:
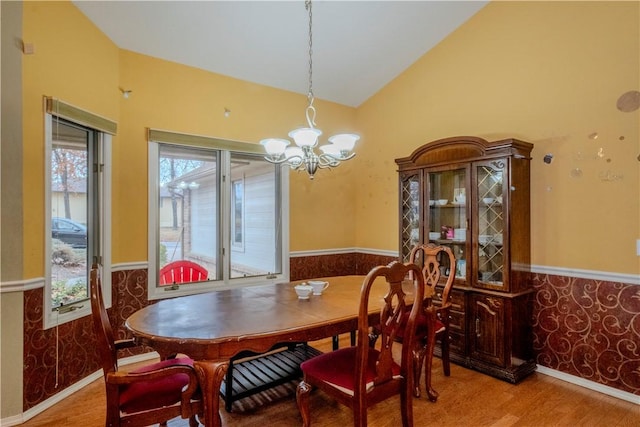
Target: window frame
[(224, 149), (100, 215)]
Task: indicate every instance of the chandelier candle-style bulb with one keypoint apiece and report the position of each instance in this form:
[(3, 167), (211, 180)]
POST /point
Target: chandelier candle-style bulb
[(302, 156)]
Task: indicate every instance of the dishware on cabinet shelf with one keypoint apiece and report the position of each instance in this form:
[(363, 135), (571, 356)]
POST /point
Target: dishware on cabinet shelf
[(459, 234)]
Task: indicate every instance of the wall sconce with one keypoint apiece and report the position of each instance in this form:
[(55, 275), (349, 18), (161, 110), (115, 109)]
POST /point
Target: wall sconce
[(125, 93)]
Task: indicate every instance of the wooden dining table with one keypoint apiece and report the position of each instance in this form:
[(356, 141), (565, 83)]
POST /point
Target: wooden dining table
[(213, 327)]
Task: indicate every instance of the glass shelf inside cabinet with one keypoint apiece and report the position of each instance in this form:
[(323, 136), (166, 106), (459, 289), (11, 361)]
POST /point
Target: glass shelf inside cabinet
[(410, 215), (490, 222), (448, 214)]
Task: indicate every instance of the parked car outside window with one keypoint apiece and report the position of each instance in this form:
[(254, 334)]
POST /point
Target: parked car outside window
[(70, 232)]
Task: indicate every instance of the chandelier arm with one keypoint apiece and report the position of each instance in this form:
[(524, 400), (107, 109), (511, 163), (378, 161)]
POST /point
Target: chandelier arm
[(325, 161), (285, 160), (275, 162), (339, 158)]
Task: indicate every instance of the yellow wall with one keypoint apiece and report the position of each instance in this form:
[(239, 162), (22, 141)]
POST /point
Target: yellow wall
[(75, 62), (546, 72), (502, 74)]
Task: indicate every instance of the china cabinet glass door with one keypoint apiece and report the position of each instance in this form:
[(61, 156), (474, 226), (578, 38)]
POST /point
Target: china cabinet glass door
[(447, 219), (490, 223), (409, 213)]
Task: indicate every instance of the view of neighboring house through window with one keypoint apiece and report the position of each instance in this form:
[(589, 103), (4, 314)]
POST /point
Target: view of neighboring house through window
[(189, 199), (255, 213), (237, 208), (213, 205)]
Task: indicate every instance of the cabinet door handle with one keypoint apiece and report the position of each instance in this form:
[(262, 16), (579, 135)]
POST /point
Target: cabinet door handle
[(478, 327)]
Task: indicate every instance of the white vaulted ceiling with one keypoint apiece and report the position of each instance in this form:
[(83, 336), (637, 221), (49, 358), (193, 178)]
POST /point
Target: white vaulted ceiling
[(358, 46)]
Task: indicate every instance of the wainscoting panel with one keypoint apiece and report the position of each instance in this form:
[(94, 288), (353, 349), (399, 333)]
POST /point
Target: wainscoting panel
[(342, 264), (50, 368), (588, 328)]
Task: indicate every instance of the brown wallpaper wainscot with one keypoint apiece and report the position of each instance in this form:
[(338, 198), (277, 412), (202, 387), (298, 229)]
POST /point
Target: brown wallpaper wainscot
[(589, 329), (586, 328), (77, 354)]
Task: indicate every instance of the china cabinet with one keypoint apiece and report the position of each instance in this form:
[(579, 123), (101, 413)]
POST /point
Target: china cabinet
[(473, 196)]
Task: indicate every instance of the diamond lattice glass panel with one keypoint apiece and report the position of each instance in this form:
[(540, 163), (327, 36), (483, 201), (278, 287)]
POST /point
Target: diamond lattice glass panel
[(410, 215), (490, 222)]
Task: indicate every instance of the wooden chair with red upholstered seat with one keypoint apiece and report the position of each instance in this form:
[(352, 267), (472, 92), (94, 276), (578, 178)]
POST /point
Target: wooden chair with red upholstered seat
[(429, 256), (182, 271), (148, 395), (361, 376)]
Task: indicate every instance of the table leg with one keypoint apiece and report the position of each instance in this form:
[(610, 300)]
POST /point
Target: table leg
[(210, 374)]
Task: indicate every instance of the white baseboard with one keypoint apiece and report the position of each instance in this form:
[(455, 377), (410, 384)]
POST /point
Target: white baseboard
[(58, 397), (591, 385)]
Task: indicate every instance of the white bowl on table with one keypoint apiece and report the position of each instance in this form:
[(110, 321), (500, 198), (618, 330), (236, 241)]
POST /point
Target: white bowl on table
[(303, 290)]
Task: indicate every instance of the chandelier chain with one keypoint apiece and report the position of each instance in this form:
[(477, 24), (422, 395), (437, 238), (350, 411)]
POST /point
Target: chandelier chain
[(308, 6)]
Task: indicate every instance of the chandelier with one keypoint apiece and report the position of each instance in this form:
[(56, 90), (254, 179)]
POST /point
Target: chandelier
[(303, 156)]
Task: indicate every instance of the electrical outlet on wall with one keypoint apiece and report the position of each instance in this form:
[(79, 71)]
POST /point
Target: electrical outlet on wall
[(638, 247)]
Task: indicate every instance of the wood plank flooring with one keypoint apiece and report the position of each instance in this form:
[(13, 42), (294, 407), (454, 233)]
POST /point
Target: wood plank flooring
[(467, 398)]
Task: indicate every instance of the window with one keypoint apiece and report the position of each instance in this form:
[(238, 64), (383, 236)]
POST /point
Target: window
[(218, 204), (76, 173)]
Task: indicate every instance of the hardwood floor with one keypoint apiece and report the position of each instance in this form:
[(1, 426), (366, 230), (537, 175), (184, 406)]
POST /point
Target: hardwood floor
[(467, 398)]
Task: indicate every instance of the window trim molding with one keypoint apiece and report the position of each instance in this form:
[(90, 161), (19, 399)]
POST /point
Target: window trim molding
[(77, 115), (156, 137), (191, 140)]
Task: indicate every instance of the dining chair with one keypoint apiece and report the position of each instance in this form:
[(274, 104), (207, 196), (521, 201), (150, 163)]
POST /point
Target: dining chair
[(182, 271), (362, 375), (429, 256), (152, 394)]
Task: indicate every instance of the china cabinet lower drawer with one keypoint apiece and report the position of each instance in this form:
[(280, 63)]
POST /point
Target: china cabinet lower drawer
[(457, 322)]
